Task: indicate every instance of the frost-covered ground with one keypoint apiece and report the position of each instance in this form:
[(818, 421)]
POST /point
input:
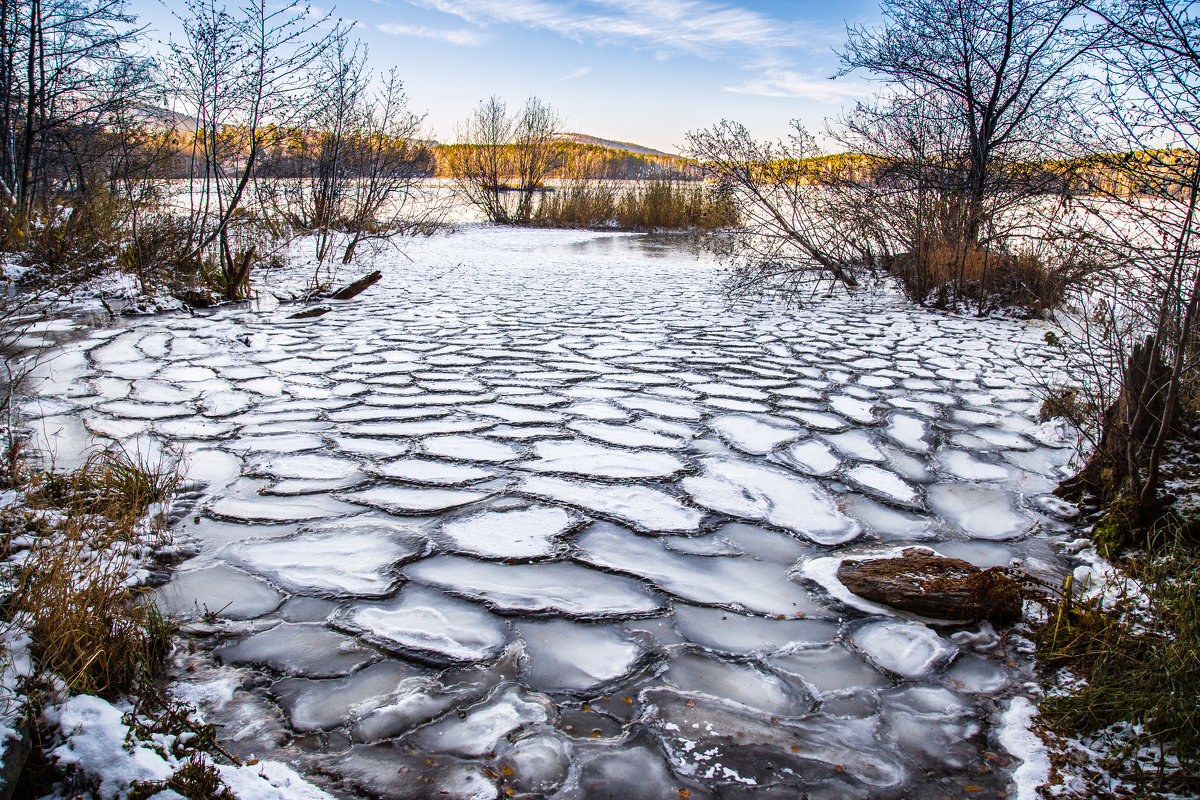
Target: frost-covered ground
[(541, 512)]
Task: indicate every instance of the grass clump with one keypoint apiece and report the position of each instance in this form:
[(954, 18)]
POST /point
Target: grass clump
[(73, 586), (1139, 658), (196, 779), (945, 274), (657, 205), (116, 485), (171, 730)]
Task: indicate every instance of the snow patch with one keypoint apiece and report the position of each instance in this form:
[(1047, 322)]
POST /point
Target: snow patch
[(1016, 735)]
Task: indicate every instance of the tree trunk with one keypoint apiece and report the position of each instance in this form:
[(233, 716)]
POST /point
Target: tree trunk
[(31, 92), (1118, 461)]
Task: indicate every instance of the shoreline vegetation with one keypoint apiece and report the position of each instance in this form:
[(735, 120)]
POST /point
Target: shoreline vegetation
[(645, 206)]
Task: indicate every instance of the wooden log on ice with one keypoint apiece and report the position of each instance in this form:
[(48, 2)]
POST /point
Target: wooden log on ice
[(925, 583), (357, 287), (309, 313)]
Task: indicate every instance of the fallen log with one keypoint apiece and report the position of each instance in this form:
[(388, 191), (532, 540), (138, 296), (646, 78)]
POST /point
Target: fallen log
[(309, 313), (357, 287), (924, 583)]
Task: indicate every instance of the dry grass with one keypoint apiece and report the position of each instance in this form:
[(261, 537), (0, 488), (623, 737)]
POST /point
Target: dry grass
[(84, 535), (581, 205), (74, 587), (1139, 669), (945, 274), (663, 205)]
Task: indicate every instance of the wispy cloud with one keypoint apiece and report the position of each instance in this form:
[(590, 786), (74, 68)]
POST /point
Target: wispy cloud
[(575, 73), (786, 83), (461, 37), (694, 26)]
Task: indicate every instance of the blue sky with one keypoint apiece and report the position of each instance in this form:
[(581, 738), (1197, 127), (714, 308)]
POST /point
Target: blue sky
[(645, 71)]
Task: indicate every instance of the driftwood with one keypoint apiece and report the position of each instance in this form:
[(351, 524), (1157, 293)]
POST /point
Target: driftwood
[(933, 586), (309, 313), (350, 290), (357, 287)]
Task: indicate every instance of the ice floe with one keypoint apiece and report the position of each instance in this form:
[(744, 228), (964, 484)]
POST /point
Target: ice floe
[(767, 494), (484, 728), (520, 533), (432, 472), (559, 588), (469, 448), (754, 435), (985, 512), (742, 582), (567, 657), (575, 457), (651, 510), (353, 557), (404, 500), (907, 649), (429, 624), (219, 591), (300, 648)]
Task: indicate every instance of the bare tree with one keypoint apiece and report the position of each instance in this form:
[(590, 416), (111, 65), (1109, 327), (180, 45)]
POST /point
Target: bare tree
[(479, 163), (942, 179), (797, 227), (389, 165), (1143, 207), (503, 161), (916, 155), (353, 173), (64, 64), (310, 179), (1002, 73), (141, 154), (534, 136), (243, 77)]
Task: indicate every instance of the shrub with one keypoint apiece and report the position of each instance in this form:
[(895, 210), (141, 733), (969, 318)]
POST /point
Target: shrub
[(661, 205), (946, 274), (156, 253), (68, 245)]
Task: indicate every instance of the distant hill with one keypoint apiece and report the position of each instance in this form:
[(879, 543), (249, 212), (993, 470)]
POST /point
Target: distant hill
[(629, 147), (161, 115)]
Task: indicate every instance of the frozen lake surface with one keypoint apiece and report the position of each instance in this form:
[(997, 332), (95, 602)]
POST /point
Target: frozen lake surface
[(541, 514)]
